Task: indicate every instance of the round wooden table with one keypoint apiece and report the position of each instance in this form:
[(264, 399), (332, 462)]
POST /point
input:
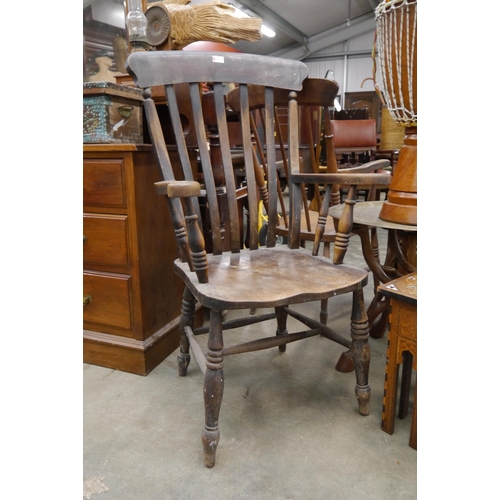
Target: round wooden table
[(400, 258)]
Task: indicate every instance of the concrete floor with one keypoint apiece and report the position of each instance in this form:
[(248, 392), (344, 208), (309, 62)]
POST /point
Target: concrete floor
[(289, 426)]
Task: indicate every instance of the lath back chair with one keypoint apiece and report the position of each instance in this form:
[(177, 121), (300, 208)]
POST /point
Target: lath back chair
[(316, 95), (273, 277), (314, 100)]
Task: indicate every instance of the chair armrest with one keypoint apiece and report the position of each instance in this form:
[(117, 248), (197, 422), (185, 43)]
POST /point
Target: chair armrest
[(178, 189), (349, 179), (371, 166), (189, 235), (345, 224)]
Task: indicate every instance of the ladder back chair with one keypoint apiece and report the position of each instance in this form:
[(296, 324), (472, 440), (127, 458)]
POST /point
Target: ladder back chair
[(274, 277)]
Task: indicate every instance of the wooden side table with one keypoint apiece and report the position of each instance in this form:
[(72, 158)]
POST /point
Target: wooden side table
[(402, 341), (400, 259)]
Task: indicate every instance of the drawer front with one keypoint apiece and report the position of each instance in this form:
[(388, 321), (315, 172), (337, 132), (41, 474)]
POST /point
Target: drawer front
[(104, 183), (110, 303), (106, 240)]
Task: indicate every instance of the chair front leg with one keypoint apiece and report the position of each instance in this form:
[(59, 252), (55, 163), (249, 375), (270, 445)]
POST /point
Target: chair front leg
[(188, 307), (360, 349), (213, 388)]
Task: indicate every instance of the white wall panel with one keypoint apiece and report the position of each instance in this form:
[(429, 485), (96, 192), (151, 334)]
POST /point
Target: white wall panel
[(361, 42), (357, 67), (318, 69), (338, 47)]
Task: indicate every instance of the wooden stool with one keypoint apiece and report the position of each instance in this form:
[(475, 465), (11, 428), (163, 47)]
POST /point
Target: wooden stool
[(402, 347)]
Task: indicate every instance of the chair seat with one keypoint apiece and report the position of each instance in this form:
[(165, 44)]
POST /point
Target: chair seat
[(328, 236), (256, 278)]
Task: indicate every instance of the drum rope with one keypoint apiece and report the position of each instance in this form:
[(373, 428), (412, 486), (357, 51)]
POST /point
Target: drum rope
[(387, 31)]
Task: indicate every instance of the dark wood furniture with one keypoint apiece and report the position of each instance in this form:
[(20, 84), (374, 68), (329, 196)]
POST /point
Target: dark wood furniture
[(401, 344), (276, 276), (368, 100), (400, 256), (314, 100), (316, 95), (131, 294), (351, 114), (355, 141)]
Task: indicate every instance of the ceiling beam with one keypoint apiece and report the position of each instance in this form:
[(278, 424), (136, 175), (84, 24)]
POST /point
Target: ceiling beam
[(340, 33)]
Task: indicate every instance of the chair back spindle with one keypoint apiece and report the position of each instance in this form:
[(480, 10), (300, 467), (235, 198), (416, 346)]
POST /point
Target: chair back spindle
[(221, 181)]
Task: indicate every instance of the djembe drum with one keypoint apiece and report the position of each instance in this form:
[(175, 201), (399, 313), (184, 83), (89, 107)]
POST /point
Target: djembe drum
[(396, 22)]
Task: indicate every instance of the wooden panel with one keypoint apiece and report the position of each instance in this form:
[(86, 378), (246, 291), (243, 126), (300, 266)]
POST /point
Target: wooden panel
[(368, 100), (157, 248), (131, 324), (138, 357), (111, 301), (103, 183), (106, 240)]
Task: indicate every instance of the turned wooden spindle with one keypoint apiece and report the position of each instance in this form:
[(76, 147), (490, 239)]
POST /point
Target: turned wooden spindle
[(213, 388), (360, 349), (188, 306), (344, 227)]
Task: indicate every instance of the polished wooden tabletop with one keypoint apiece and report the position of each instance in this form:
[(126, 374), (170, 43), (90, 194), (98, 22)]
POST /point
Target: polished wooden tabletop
[(367, 213)]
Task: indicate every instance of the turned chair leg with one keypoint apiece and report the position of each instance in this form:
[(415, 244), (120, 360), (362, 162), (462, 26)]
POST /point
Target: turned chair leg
[(281, 317), (213, 388), (188, 307), (360, 350)]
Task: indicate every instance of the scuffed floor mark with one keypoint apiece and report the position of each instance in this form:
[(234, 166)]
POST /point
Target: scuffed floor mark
[(93, 486)]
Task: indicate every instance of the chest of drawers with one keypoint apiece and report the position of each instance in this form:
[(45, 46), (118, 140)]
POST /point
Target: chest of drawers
[(131, 294)]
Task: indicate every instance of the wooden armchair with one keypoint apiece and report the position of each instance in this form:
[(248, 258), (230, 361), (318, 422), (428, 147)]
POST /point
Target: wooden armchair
[(316, 95), (273, 277), (313, 100)]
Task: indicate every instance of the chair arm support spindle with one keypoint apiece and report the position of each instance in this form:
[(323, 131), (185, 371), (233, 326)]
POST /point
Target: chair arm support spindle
[(186, 190), (345, 227), (322, 219)]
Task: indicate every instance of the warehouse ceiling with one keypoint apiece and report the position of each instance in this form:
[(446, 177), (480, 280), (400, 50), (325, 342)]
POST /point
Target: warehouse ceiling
[(302, 26), (305, 26)]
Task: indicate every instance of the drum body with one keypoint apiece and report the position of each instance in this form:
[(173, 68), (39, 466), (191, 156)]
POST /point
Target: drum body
[(396, 22), (397, 52)]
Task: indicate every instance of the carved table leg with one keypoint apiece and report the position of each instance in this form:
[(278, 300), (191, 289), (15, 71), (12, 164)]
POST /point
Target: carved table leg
[(360, 350), (405, 384), (378, 315), (413, 429), (376, 255), (188, 306), (213, 388), (390, 386)]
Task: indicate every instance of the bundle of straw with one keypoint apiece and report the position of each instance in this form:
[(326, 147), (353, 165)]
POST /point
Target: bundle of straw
[(209, 22)]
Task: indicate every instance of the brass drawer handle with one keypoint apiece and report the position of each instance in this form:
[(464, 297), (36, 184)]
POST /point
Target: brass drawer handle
[(87, 299), (85, 239), (125, 111)]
